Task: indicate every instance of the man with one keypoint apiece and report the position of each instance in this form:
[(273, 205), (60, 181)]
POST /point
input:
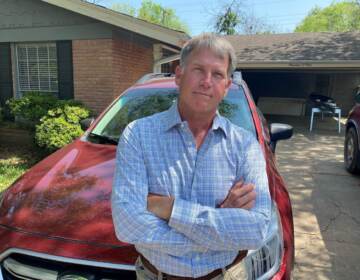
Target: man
[(185, 179)]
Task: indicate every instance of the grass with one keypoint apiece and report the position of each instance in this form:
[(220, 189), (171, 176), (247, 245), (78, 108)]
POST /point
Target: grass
[(15, 161)]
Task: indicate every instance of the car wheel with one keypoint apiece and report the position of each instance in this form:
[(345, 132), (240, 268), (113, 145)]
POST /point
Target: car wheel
[(351, 152)]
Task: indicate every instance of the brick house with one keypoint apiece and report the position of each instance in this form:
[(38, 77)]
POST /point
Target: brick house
[(78, 50)]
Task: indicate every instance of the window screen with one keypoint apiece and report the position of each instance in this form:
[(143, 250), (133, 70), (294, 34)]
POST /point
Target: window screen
[(37, 67)]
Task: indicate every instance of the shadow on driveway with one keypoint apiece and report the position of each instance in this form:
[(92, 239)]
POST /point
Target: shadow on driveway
[(325, 200)]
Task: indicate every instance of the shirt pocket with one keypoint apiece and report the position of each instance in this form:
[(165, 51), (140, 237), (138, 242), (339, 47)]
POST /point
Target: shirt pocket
[(212, 190), (222, 186), (164, 181)]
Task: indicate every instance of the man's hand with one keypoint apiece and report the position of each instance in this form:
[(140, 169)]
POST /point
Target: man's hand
[(160, 206), (241, 195)]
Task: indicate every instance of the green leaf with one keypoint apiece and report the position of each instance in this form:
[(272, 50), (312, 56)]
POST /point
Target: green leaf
[(338, 17)]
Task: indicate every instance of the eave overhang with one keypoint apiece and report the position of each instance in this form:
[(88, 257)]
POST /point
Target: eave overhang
[(160, 33), (300, 64)]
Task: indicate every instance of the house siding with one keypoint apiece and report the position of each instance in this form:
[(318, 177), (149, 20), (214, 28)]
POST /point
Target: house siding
[(104, 68), (92, 62), (132, 60), (33, 20)]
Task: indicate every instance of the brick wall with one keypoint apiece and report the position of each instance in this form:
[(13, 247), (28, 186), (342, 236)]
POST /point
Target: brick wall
[(131, 61), (92, 60), (104, 68)]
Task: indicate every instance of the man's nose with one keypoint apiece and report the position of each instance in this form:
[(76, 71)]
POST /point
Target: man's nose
[(206, 79)]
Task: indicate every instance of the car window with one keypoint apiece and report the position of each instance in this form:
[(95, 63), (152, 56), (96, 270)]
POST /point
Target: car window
[(139, 103)]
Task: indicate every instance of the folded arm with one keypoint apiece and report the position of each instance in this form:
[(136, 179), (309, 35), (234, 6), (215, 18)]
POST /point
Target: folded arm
[(133, 222), (227, 227)]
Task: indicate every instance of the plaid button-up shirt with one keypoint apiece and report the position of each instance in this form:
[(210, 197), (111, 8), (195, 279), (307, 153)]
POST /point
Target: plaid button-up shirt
[(157, 154)]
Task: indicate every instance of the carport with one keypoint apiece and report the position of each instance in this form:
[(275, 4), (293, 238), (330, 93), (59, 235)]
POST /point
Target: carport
[(282, 70)]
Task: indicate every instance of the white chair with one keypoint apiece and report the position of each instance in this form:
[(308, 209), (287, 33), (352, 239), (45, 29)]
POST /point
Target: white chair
[(336, 111)]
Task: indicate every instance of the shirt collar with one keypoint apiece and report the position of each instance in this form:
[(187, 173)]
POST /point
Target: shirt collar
[(220, 123), (172, 119)]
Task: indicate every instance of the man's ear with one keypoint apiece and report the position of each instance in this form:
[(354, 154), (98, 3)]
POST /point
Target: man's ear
[(178, 74)]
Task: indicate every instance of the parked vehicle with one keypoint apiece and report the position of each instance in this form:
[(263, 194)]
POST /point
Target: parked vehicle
[(352, 134), (55, 221)]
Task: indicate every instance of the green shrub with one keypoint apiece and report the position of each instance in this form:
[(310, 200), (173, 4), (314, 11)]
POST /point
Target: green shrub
[(32, 106), (1, 114), (57, 122), (61, 125)]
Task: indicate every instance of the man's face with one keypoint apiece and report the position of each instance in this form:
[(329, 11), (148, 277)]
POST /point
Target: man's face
[(203, 82)]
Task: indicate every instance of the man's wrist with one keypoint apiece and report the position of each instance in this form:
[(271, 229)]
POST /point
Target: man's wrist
[(168, 208), (160, 206)]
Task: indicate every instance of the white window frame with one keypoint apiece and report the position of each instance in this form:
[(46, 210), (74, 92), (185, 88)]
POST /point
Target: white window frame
[(37, 60)]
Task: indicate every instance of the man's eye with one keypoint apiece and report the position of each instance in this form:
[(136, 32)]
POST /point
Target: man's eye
[(218, 75)]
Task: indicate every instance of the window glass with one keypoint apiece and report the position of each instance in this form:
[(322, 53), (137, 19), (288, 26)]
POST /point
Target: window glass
[(37, 67), (139, 103)]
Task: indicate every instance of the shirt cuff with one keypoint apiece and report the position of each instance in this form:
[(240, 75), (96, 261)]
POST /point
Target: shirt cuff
[(183, 215)]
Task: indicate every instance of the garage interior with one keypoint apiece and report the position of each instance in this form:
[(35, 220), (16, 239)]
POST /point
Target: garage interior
[(282, 70), (286, 92)]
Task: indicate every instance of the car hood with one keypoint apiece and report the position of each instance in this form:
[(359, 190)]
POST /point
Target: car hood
[(66, 195)]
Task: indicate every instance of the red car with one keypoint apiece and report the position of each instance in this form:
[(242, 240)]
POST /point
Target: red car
[(55, 221), (352, 137)]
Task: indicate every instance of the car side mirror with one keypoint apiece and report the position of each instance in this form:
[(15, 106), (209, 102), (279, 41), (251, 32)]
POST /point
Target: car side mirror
[(86, 123), (279, 131)]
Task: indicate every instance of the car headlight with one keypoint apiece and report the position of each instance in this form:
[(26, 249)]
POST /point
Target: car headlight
[(264, 262)]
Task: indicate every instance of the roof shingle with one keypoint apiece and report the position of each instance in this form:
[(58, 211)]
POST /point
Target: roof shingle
[(293, 47)]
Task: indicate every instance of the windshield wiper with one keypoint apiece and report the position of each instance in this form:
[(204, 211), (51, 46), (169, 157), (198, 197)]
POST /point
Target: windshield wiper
[(105, 139)]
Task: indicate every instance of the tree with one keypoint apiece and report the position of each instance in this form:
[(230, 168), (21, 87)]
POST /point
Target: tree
[(154, 13), (251, 24), (339, 17), (234, 18), (226, 23), (124, 8)]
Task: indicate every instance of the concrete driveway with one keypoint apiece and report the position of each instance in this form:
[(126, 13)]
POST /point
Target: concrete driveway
[(325, 200)]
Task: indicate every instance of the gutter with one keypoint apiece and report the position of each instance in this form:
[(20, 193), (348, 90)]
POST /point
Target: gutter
[(300, 64)]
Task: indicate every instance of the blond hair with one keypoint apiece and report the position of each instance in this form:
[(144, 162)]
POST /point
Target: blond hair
[(218, 45)]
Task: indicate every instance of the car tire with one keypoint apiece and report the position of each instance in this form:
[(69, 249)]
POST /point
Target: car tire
[(351, 151)]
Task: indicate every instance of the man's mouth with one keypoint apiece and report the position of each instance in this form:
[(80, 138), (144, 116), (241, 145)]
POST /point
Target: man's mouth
[(202, 93)]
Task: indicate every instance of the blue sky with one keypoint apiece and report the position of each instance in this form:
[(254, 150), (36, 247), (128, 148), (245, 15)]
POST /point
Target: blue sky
[(198, 14)]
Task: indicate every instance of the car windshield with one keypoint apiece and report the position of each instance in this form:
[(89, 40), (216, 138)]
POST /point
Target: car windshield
[(139, 103)]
